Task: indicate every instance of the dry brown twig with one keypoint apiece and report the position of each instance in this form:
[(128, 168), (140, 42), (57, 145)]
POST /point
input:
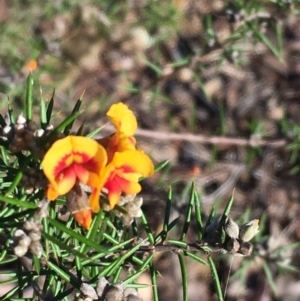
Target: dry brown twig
[(254, 140)]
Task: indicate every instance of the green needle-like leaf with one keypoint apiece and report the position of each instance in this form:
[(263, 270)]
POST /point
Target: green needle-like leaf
[(195, 257), (198, 215), (63, 246), (50, 108), (61, 127), (77, 236), (2, 121), (92, 231), (215, 278), (184, 277), (43, 111), (17, 202), (19, 175), (154, 282), (37, 264), (147, 229), (61, 273), (170, 226), (75, 111), (11, 113), (161, 165), (167, 215), (269, 277), (139, 271), (189, 212), (62, 295), (227, 208), (29, 100)]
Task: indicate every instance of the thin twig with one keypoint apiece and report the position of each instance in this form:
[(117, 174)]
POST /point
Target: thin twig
[(215, 140)]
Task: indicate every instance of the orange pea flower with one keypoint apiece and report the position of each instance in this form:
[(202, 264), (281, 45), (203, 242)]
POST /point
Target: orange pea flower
[(123, 173), (74, 159), (126, 125)]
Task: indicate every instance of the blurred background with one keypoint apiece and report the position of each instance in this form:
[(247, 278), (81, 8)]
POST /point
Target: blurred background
[(215, 86)]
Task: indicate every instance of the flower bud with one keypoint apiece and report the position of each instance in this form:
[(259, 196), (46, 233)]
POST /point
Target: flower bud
[(231, 228), (25, 241), (249, 230), (6, 129), (39, 133), (20, 251), (19, 233), (36, 249), (21, 119), (35, 235)]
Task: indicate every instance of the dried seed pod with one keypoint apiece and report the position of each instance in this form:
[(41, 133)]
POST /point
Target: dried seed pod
[(115, 293), (232, 246), (130, 294), (102, 286), (88, 291), (78, 204), (249, 230), (246, 248), (133, 298), (231, 228)]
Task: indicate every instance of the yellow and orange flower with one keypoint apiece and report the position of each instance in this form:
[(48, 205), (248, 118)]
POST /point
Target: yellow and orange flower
[(123, 173), (112, 164), (74, 159)]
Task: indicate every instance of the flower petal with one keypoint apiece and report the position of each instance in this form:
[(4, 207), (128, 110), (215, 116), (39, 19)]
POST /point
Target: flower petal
[(134, 161), (51, 193), (57, 158), (83, 218), (118, 142), (122, 118), (65, 180), (73, 158), (94, 200), (123, 173)]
